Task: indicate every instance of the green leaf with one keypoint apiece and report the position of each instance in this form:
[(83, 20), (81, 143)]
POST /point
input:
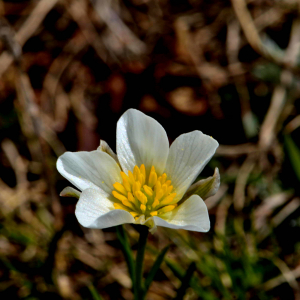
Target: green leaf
[(155, 267), (94, 292), (186, 281), (293, 153), (179, 273)]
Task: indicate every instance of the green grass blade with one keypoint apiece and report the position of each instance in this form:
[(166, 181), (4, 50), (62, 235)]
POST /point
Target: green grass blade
[(155, 267), (186, 281), (94, 293), (126, 249), (293, 153)]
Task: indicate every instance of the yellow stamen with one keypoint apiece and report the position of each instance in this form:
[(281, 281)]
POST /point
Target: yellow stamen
[(143, 207), (128, 204), (131, 177), (120, 188), (170, 188), (130, 197), (166, 209), (119, 196), (152, 169), (152, 177), (168, 182), (120, 206), (159, 194), (163, 178), (168, 199), (141, 197), (143, 170), (155, 203), (164, 188), (141, 179), (148, 190), (126, 183), (134, 214), (136, 172), (157, 186), (136, 187)]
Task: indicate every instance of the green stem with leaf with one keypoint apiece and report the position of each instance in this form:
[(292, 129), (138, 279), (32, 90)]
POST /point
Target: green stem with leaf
[(135, 267), (139, 286)]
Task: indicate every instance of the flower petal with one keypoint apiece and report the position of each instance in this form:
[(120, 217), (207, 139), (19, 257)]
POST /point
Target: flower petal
[(190, 215), (85, 170), (141, 140), (93, 210), (205, 188), (188, 155)]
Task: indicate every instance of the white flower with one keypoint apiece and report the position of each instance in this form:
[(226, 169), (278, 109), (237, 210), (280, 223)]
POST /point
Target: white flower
[(146, 182)]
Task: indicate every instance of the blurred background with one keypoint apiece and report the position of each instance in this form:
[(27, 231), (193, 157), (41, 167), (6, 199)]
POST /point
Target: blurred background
[(70, 68)]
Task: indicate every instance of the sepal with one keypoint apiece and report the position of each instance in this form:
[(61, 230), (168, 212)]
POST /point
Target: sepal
[(104, 147), (70, 192), (205, 188)]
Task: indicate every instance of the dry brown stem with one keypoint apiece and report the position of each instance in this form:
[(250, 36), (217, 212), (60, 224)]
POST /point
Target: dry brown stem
[(118, 27), (28, 28), (268, 128)]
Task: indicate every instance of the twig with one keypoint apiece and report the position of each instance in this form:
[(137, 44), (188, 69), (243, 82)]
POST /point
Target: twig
[(240, 185), (51, 83), (233, 42), (236, 150), (251, 33), (78, 11), (267, 132), (274, 282), (16, 162), (118, 27), (29, 27), (26, 93)]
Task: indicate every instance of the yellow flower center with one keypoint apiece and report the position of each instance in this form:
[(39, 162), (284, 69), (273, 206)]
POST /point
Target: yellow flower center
[(142, 195)]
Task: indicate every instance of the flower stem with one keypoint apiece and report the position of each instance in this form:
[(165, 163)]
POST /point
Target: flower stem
[(139, 289)]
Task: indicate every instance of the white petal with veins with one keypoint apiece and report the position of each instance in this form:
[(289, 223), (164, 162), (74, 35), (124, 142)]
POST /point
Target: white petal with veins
[(93, 210), (85, 170), (190, 215), (188, 155), (141, 140)]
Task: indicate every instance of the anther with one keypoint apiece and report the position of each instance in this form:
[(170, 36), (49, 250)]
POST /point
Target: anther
[(143, 170), (134, 214), (130, 197), (166, 209), (119, 196), (168, 199), (120, 188), (136, 172), (152, 177), (131, 177), (141, 197), (148, 190), (143, 208), (126, 183), (155, 203)]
